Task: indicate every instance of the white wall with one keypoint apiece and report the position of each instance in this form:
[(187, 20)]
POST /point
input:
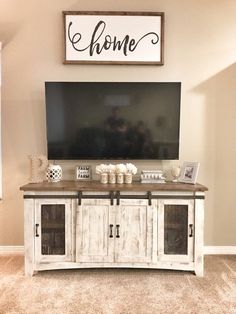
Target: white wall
[(200, 51)]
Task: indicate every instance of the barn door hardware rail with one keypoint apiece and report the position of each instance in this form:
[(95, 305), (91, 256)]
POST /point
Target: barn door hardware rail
[(114, 195)]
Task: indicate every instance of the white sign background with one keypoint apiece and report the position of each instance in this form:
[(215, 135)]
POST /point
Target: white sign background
[(144, 30)]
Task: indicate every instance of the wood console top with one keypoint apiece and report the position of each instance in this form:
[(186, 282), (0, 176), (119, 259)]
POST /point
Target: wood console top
[(97, 186)]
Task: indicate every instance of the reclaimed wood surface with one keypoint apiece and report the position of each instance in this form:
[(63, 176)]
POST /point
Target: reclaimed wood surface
[(97, 186)]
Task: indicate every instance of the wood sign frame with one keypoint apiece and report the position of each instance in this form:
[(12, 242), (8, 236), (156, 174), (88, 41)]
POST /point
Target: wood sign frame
[(113, 37)]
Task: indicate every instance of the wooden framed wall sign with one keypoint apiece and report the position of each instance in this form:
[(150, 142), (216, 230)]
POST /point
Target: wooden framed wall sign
[(114, 37)]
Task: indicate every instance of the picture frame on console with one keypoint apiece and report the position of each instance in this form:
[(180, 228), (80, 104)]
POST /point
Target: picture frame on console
[(189, 172), (113, 37), (84, 172)]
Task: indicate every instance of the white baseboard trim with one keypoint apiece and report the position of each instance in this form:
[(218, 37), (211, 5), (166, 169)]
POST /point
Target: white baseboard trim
[(208, 250), (220, 250), (19, 249)]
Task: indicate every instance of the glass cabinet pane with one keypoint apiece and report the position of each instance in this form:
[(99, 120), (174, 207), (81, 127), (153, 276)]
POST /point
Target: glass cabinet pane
[(53, 229), (176, 229)]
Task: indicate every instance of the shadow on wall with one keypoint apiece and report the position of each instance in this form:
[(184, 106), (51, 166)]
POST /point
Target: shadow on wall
[(220, 93), (8, 31)]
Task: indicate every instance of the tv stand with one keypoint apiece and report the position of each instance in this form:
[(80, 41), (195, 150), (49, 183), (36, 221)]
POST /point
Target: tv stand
[(73, 224)]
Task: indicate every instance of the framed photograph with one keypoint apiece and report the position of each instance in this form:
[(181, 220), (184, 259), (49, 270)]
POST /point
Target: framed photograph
[(113, 37), (189, 172), (83, 172)]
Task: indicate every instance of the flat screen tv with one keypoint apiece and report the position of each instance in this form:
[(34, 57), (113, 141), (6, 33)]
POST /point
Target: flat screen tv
[(113, 120)]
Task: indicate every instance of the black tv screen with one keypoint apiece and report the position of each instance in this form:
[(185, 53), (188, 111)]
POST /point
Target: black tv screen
[(113, 120)]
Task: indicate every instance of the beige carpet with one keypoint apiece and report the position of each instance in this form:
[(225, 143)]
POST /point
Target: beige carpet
[(118, 291)]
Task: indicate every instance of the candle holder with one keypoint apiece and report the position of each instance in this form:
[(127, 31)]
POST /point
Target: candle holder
[(128, 178), (112, 178), (104, 178), (120, 178)]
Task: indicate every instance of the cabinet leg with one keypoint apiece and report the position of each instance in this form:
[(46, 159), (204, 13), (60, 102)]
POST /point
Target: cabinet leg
[(29, 271), (199, 273), (199, 269)]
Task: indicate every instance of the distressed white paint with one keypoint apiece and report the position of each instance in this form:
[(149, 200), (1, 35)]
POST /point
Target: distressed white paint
[(158, 265), (199, 233), (93, 243), (135, 220), (170, 257), (207, 250), (73, 229), (68, 231), (154, 231), (141, 234), (29, 242)]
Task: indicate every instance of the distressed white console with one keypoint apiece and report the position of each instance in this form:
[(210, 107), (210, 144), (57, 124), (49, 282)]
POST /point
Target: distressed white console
[(88, 224)]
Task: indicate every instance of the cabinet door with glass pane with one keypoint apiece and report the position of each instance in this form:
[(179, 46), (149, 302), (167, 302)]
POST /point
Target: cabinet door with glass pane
[(53, 230), (175, 230)]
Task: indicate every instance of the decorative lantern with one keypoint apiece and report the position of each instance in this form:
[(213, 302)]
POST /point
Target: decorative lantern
[(54, 173)]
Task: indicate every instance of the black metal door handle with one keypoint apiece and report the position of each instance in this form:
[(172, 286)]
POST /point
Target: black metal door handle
[(36, 230), (111, 235), (117, 231), (191, 230)]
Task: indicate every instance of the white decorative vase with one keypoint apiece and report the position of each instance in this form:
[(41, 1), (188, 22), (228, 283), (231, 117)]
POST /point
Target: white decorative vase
[(120, 178), (54, 173), (128, 178), (175, 172), (104, 178), (112, 177)]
